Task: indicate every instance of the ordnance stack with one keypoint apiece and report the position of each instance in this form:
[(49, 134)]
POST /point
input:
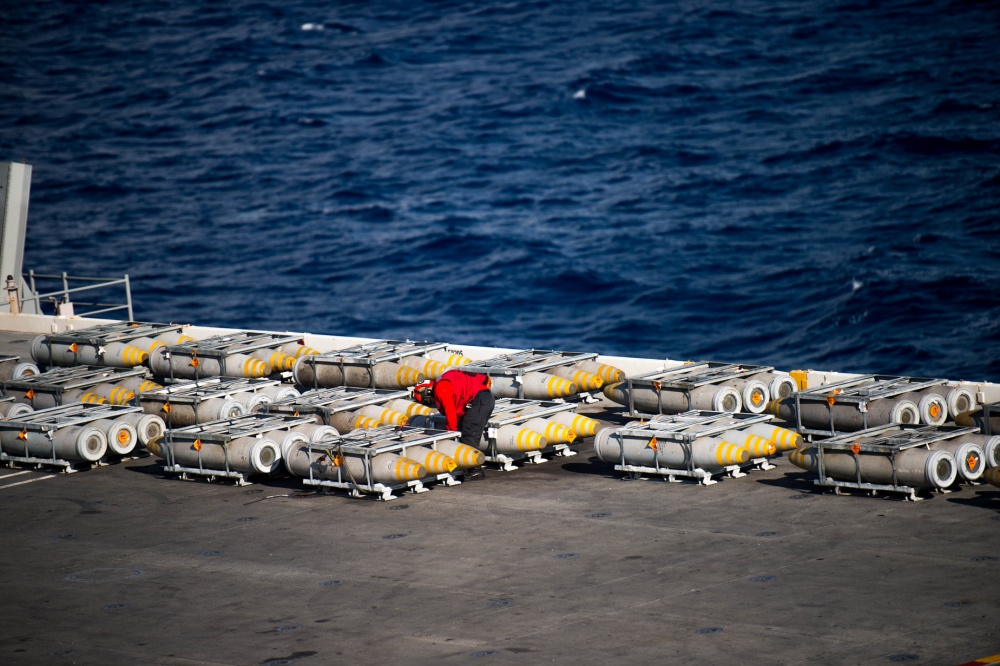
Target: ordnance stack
[(698, 444), (542, 375), (60, 386), (707, 385), (75, 435), (377, 461), (864, 402), (236, 448), (897, 458), (188, 403), (343, 407), (243, 354), (119, 345), (383, 364)]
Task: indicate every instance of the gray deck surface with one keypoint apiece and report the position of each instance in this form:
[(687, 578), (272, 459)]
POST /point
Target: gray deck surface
[(557, 563)]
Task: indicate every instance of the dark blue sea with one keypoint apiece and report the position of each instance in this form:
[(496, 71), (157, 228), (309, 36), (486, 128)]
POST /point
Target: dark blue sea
[(804, 184)]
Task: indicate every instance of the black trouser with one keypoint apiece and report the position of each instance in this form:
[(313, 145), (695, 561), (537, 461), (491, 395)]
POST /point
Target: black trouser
[(473, 422)]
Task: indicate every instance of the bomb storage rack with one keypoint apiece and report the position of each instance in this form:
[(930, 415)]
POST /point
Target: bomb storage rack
[(47, 422), (988, 411), (366, 445), (192, 394), (686, 378), (367, 356), (859, 392), (888, 440), (517, 364), (325, 402), (221, 348), (98, 337), (51, 385), (211, 445), (510, 412), (697, 424)]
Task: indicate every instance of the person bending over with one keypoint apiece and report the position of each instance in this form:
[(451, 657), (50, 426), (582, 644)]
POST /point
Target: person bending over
[(465, 400)]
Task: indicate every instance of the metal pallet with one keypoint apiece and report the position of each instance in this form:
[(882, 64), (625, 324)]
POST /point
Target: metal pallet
[(367, 444), (849, 391), (220, 433), (693, 418), (49, 420), (686, 378), (324, 402), (59, 380), (891, 445), (369, 354)]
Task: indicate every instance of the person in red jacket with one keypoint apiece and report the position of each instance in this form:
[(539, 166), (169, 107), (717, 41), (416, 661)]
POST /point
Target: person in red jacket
[(465, 400)]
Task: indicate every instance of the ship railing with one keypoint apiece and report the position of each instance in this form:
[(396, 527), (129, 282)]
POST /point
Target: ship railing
[(60, 299)]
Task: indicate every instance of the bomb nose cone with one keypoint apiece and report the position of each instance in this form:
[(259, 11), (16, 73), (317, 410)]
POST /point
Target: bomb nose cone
[(465, 456), (585, 381)]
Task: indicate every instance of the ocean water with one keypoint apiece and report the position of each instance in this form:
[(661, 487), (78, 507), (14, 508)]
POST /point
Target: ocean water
[(797, 184)]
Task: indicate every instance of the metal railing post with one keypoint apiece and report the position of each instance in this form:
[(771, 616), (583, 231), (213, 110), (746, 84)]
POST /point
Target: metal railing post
[(128, 298)]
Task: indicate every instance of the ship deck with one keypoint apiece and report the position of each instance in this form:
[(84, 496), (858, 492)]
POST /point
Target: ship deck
[(563, 562)]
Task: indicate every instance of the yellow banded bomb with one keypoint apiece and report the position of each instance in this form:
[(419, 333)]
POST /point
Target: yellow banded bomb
[(429, 367), (608, 374)]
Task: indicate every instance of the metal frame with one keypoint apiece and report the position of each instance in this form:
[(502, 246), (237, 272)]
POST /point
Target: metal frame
[(369, 443), (530, 360), (916, 436), (220, 433), (368, 354), (686, 378), (50, 420), (221, 346), (686, 420), (58, 380), (849, 391)]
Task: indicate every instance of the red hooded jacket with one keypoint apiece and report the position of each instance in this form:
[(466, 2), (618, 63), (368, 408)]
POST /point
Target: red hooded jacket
[(456, 389)]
